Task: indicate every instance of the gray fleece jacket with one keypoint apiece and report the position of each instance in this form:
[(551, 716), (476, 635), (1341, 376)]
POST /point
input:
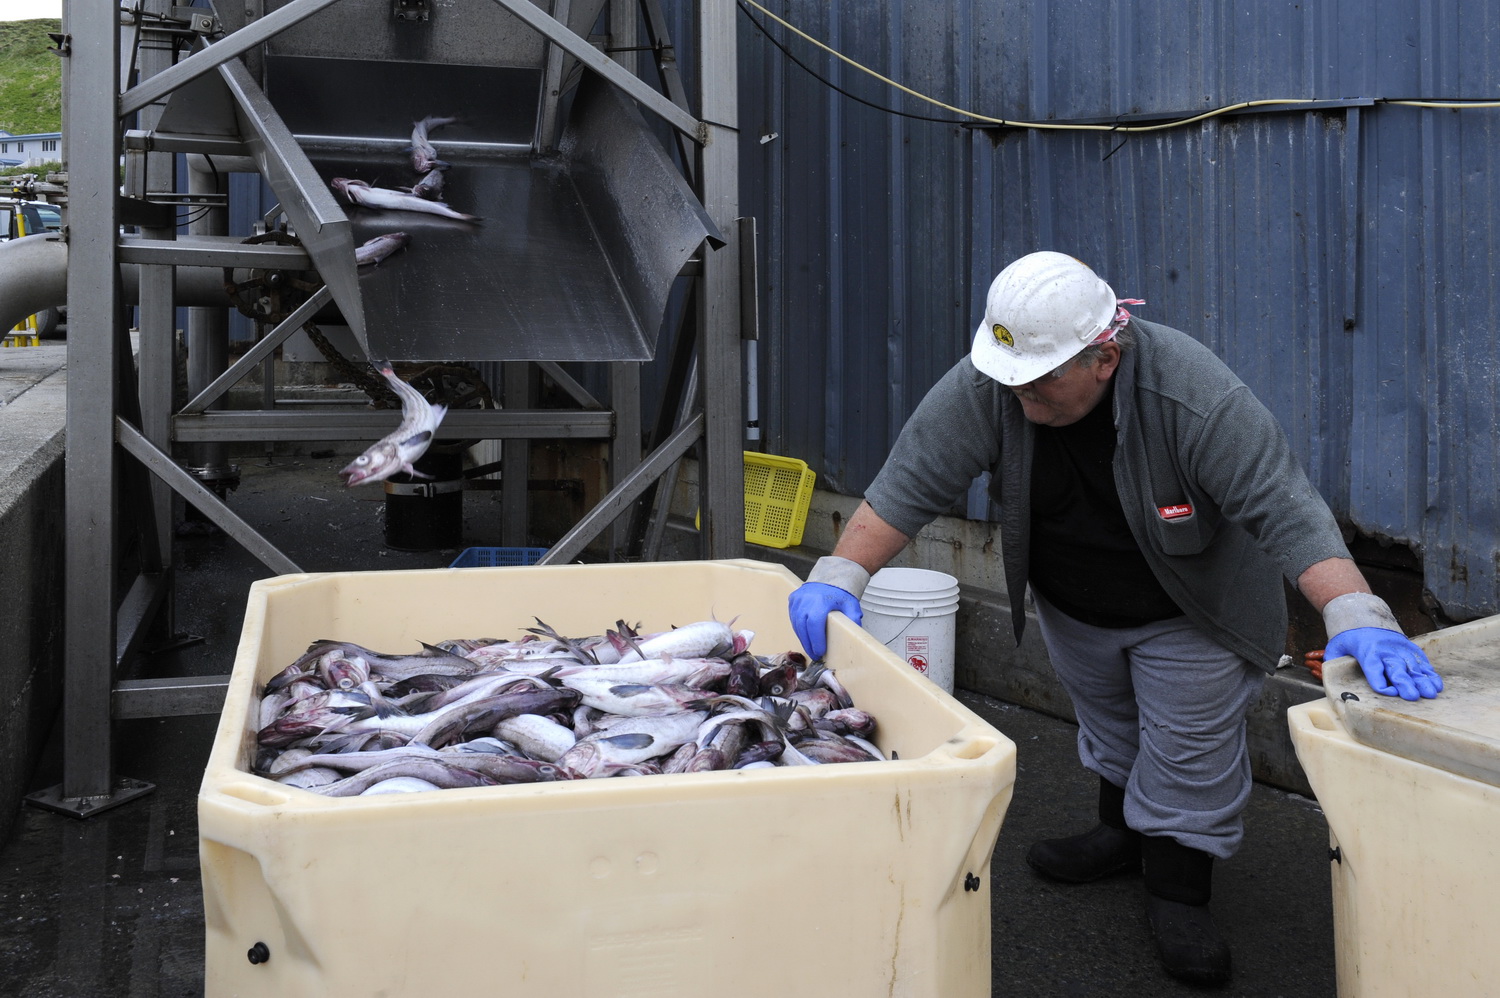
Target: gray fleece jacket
[(1214, 497)]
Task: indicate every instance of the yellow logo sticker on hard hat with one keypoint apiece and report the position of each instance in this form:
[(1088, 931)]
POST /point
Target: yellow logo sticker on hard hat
[(1003, 337)]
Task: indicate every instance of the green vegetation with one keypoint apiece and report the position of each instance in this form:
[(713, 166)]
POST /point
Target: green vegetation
[(40, 169), (30, 77)]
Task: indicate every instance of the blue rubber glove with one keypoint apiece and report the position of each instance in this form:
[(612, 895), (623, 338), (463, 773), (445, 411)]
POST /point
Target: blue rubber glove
[(1392, 665), (809, 607)]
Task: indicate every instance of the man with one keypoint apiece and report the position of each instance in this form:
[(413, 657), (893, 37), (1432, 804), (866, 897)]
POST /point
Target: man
[(1153, 505)]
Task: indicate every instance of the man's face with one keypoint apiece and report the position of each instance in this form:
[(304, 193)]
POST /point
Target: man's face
[(1068, 398)]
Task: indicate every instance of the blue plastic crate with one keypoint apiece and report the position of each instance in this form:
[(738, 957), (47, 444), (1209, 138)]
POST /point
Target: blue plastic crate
[(493, 557)]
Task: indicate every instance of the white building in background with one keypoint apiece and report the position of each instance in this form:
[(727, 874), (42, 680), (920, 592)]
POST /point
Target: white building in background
[(28, 150)]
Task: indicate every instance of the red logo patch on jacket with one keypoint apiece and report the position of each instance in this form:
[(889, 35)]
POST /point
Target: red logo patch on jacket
[(1180, 511)]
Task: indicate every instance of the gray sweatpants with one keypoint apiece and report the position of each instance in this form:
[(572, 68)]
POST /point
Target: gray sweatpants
[(1161, 712)]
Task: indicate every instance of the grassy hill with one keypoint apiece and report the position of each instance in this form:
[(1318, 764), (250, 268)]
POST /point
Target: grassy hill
[(30, 77)]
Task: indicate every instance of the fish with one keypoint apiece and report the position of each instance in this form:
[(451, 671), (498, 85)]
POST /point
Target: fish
[(424, 157), (700, 640), (847, 721), (360, 192), (537, 736), (633, 699), (372, 251), (692, 671), (826, 750), (633, 740), (438, 772), (398, 785), (430, 187), (429, 662), (483, 714), (398, 450), (744, 676)]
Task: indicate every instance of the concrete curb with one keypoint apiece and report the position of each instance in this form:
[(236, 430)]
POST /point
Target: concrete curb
[(33, 419)]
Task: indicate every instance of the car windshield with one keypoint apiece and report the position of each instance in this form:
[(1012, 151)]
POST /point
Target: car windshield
[(50, 216)]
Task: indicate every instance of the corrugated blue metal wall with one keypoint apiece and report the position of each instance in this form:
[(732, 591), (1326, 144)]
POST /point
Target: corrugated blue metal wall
[(1341, 260)]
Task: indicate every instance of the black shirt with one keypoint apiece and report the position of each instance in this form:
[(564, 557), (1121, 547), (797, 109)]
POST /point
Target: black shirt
[(1084, 559)]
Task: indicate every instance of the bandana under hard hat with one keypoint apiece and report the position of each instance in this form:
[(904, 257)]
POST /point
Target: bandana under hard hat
[(1040, 312), (1121, 318)]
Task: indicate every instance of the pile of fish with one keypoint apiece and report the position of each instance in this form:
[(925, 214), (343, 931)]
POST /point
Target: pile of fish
[(343, 720)]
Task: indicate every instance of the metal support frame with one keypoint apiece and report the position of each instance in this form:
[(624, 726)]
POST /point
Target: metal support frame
[(720, 395), (105, 422), (92, 67)]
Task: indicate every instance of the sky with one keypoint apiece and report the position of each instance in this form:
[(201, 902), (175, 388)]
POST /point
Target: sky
[(25, 10)]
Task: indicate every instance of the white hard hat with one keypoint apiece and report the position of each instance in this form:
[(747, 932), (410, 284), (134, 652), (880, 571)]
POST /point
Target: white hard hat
[(1041, 312)]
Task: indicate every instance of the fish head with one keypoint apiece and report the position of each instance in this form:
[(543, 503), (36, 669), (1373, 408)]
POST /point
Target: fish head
[(779, 682), (344, 672), (377, 463)]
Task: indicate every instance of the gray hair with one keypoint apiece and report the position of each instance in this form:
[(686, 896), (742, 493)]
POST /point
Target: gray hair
[(1090, 354)]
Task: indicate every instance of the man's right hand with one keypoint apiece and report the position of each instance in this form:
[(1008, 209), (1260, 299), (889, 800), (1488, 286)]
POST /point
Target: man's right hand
[(809, 607)]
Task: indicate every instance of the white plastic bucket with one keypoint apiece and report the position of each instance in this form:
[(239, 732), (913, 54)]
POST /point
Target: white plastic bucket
[(911, 611)]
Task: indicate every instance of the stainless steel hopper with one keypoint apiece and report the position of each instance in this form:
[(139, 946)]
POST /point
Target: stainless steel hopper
[(577, 249), (579, 243)]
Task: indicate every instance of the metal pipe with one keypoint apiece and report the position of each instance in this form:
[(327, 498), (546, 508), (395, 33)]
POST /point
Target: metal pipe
[(34, 276), (208, 328)]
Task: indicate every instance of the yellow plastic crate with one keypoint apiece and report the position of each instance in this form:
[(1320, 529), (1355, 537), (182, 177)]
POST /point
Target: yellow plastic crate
[(778, 492)]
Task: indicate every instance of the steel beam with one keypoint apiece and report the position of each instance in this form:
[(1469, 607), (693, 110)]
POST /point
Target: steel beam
[(515, 458), (260, 351), (212, 251), (204, 499), (624, 495), (136, 612), (720, 393), (91, 126), (210, 57), (459, 424), (564, 380), (174, 142), (580, 49), (173, 697)]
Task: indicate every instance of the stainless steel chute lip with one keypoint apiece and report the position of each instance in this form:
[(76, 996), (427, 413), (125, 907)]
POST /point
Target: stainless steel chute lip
[(577, 250)]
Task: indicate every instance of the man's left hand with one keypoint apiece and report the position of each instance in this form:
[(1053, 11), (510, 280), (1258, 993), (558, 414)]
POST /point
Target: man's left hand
[(1392, 664)]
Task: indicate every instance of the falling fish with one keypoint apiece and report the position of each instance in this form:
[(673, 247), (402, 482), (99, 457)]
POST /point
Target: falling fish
[(361, 193), (397, 451), (424, 158), (377, 249)]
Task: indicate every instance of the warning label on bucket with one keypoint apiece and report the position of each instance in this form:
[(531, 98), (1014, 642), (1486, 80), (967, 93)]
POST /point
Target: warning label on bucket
[(916, 652)]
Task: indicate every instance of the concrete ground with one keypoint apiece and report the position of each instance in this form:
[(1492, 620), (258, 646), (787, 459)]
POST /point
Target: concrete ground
[(112, 906)]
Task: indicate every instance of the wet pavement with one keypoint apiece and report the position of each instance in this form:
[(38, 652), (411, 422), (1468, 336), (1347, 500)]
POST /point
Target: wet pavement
[(112, 905)]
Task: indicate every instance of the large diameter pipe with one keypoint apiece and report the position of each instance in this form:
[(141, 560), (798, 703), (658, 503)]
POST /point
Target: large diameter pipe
[(34, 276)]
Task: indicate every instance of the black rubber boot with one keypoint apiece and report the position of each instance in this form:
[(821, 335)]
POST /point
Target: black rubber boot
[(1178, 886), (1103, 851)]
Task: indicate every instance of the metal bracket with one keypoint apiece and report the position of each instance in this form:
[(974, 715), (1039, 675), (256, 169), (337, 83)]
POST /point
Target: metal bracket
[(411, 10), (198, 20), (125, 790)]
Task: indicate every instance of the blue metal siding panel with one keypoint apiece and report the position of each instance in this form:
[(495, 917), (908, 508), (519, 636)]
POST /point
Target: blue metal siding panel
[(1342, 262)]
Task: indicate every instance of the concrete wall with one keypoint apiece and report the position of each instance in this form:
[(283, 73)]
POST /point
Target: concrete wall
[(33, 398), (986, 657)]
